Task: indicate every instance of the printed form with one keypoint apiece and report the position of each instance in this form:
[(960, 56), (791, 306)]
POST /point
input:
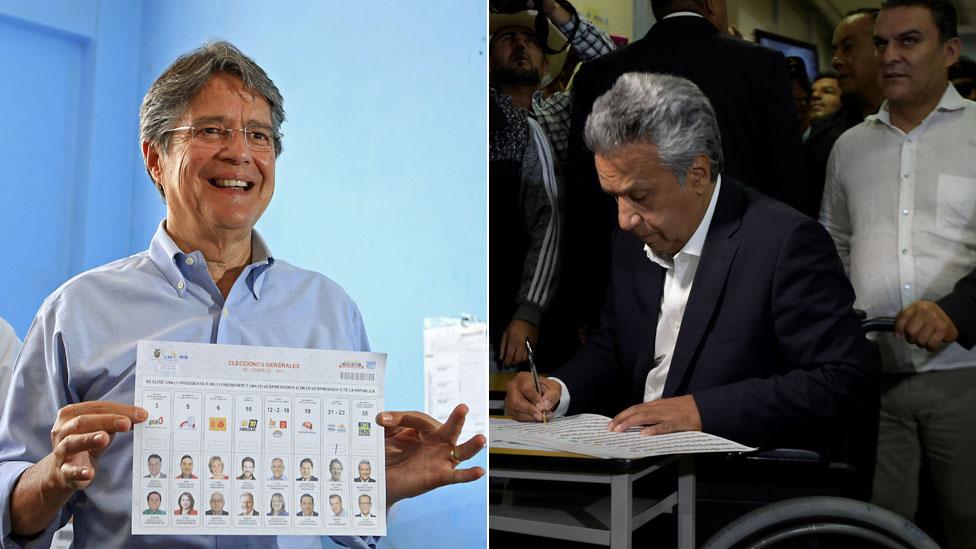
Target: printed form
[(587, 434), (246, 440)]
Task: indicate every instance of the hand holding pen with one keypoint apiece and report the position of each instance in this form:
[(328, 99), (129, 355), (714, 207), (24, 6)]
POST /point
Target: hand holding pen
[(530, 397), (535, 373)]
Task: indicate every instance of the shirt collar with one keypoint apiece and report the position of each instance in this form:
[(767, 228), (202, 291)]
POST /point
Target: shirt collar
[(170, 260), (950, 101), (696, 243)]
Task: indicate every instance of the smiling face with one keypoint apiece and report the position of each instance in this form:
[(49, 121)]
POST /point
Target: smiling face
[(335, 503), (217, 468), (825, 98), (650, 202), (306, 469), (854, 61), (516, 57), (914, 65), (154, 500), (217, 503), (248, 469), (365, 504), (213, 190), (247, 503), (364, 471), (335, 470), (186, 502), (277, 503), (277, 468)]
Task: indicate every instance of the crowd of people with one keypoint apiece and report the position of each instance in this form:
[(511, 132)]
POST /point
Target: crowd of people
[(689, 233)]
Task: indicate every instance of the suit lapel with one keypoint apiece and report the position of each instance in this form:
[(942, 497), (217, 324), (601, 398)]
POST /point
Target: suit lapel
[(710, 279)]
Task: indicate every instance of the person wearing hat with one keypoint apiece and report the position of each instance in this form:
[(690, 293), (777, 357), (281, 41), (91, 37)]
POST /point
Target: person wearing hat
[(519, 68)]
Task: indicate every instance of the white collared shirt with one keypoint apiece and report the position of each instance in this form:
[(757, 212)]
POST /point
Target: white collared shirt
[(901, 209), (679, 277)]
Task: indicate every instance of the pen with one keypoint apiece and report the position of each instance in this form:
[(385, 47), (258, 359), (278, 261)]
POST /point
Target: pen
[(535, 373)]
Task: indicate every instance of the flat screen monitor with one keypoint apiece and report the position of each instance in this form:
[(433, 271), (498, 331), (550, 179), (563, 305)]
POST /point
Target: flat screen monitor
[(791, 47)]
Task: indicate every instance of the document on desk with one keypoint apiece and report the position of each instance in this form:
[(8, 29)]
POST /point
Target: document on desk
[(587, 434), (246, 440)]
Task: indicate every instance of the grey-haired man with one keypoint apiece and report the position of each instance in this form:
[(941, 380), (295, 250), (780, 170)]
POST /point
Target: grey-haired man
[(210, 130), (727, 312)]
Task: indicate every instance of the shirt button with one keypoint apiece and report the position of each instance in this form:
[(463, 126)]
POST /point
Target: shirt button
[(904, 212), (908, 286), (180, 285), (190, 261), (904, 251), (224, 312), (904, 176)]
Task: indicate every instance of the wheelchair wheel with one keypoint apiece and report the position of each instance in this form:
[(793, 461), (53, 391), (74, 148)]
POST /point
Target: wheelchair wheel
[(846, 522)]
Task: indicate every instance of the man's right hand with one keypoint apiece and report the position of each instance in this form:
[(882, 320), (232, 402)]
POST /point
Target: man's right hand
[(524, 403), (80, 435)]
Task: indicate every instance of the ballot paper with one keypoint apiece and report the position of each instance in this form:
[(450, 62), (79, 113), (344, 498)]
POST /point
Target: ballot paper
[(587, 434), (456, 371), (246, 440)]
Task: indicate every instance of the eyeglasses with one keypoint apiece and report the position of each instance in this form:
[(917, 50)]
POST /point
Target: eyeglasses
[(258, 137)]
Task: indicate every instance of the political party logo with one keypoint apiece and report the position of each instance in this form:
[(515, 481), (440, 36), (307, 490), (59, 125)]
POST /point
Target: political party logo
[(218, 424), (248, 425), (307, 425), (158, 422), (370, 364), (277, 434), (282, 424), (188, 424), (364, 427), (272, 423), (157, 353)]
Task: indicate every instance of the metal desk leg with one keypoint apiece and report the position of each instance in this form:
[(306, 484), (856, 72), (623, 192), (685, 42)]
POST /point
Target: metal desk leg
[(621, 511), (686, 502)]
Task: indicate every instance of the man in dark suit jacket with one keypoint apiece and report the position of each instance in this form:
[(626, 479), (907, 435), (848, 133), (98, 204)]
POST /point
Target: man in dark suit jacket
[(749, 89), (728, 312)]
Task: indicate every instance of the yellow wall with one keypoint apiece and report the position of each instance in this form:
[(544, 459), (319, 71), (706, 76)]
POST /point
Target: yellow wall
[(613, 16)]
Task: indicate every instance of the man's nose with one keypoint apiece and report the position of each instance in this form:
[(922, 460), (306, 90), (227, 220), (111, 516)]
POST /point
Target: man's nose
[(835, 62), (627, 216), (236, 148)]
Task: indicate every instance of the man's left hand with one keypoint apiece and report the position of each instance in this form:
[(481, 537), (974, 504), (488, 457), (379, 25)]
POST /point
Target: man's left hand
[(421, 453), (666, 415), (925, 324)]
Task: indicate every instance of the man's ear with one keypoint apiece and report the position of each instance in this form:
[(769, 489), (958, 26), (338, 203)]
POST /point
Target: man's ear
[(150, 155), (952, 50), (699, 173)]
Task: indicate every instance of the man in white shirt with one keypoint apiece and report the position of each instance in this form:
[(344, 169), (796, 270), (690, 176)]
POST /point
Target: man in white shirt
[(900, 202)]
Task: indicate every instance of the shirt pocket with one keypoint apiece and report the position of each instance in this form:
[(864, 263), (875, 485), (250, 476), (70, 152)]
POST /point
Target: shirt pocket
[(955, 209)]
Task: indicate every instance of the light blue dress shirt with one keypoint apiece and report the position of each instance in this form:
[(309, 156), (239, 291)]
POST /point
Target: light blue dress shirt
[(82, 347)]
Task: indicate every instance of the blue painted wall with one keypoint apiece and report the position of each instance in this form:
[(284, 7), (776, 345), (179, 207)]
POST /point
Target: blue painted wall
[(381, 185)]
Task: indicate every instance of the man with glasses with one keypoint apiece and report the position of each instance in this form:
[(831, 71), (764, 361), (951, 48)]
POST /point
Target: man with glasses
[(210, 130)]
